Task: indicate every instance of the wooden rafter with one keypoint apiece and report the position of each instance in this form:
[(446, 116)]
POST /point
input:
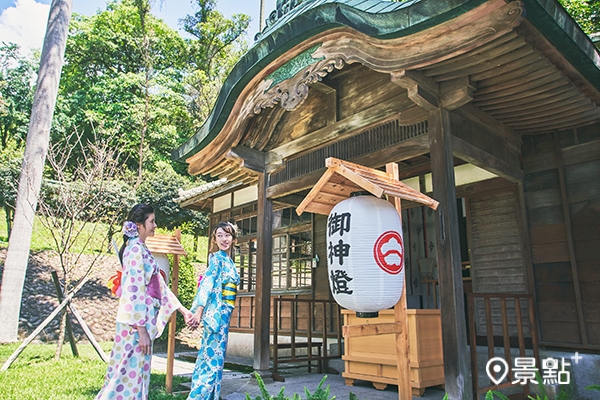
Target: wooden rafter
[(342, 178)]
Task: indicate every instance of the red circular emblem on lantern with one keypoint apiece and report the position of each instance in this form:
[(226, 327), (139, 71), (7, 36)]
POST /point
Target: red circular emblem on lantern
[(388, 252)]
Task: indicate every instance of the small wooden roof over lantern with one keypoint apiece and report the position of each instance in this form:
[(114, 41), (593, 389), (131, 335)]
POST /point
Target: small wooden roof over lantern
[(165, 244), (343, 178)]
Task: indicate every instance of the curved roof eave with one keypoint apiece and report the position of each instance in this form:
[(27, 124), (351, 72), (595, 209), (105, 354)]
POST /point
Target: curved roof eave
[(308, 20), (559, 28), (386, 20)]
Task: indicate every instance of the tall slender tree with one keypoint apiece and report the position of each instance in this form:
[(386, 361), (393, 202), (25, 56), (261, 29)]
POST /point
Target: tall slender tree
[(36, 148)]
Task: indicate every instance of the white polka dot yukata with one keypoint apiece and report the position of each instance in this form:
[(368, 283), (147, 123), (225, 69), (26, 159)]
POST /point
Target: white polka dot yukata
[(128, 374), (217, 294)]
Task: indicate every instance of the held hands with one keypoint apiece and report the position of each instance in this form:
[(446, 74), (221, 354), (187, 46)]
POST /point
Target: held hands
[(194, 321), (187, 315)]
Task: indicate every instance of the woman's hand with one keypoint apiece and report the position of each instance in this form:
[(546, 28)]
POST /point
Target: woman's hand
[(195, 320), (145, 343), (187, 315)]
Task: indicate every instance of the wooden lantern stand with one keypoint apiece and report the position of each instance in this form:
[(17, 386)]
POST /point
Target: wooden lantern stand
[(337, 183), (166, 244)]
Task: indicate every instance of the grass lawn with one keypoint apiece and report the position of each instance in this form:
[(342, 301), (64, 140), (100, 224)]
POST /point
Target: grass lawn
[(36, 375)]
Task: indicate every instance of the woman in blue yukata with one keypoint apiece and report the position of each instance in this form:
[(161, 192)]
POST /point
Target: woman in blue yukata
[(212, 306)]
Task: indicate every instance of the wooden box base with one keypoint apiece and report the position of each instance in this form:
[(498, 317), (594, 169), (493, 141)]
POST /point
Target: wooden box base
[(373, 358)]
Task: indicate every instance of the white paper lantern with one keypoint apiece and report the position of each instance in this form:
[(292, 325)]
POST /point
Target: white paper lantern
[(365, 254), (163, 263)]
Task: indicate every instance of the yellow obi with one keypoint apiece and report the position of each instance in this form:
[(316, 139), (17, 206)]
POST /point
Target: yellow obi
[(229, 292)]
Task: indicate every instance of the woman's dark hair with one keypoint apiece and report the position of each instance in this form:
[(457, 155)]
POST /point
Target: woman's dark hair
[(138, 214), (227, 227)]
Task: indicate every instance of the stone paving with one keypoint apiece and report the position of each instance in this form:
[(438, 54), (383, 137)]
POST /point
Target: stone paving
[(236, 385)]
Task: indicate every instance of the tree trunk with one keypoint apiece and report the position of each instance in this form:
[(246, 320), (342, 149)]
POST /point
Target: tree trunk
[(144, 9), (36, 148), (8, 211)]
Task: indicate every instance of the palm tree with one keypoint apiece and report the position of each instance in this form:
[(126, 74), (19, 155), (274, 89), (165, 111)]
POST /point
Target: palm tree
[(36, 148)]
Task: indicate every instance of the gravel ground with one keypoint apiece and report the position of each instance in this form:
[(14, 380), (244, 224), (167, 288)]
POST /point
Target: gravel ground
[(94, 301)]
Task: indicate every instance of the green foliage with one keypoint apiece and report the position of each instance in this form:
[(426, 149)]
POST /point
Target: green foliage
[(319, 394), (593, 387), (17, 79), (218, 45), (11, 157), (159, 189), (493, 393), (188, 282), (585, 12), (112, 62)]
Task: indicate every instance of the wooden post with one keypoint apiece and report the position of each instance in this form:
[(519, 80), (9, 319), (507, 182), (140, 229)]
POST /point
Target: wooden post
[(263, 277), (44, 323), (402, 344), (172, 322), (454, 329), (59, 294)]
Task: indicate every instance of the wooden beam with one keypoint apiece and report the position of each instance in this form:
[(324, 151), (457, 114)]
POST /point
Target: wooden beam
[(322, 87), (290, 200), (454, 334), (343, 129), (248, 158), (351, 331), (263, 278), (476, 156), (474, 114), (366, 184), (422, 91), (402, 151), (570, 241), (456, 93)]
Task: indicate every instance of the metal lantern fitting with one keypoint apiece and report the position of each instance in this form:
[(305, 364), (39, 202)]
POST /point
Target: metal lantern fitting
[(426, 266), (365, 254)]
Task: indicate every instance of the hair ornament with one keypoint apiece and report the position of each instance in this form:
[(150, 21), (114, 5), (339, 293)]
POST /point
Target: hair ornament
[(130, 229)]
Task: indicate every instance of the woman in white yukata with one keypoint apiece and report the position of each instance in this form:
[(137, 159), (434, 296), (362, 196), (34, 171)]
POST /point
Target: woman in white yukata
[(145, 305), (213, 305)]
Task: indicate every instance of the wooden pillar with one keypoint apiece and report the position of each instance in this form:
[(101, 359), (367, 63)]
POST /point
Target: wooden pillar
[(172, 321), (454, 329), (263, 277), (402, 343)]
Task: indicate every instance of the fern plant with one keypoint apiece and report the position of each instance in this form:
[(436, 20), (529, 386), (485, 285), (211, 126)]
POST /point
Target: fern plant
[(319, 394)]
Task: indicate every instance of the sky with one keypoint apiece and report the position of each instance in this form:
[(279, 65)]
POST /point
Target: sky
[(24, 21)]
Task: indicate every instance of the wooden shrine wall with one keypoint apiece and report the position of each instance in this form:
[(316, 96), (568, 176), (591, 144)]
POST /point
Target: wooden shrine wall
[(562, 192), (497, 254)]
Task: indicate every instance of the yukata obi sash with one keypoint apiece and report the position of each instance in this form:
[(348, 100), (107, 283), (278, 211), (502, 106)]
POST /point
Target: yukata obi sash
[(229, 292), (211, 318), (152, 288)]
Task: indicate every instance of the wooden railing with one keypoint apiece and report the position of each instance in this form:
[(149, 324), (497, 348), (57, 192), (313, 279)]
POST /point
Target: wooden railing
[(310, 325), (489, 316)]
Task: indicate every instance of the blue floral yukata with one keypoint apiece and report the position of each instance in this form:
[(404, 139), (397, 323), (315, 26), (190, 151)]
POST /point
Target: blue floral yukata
[(217, 294), (145, 301)]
